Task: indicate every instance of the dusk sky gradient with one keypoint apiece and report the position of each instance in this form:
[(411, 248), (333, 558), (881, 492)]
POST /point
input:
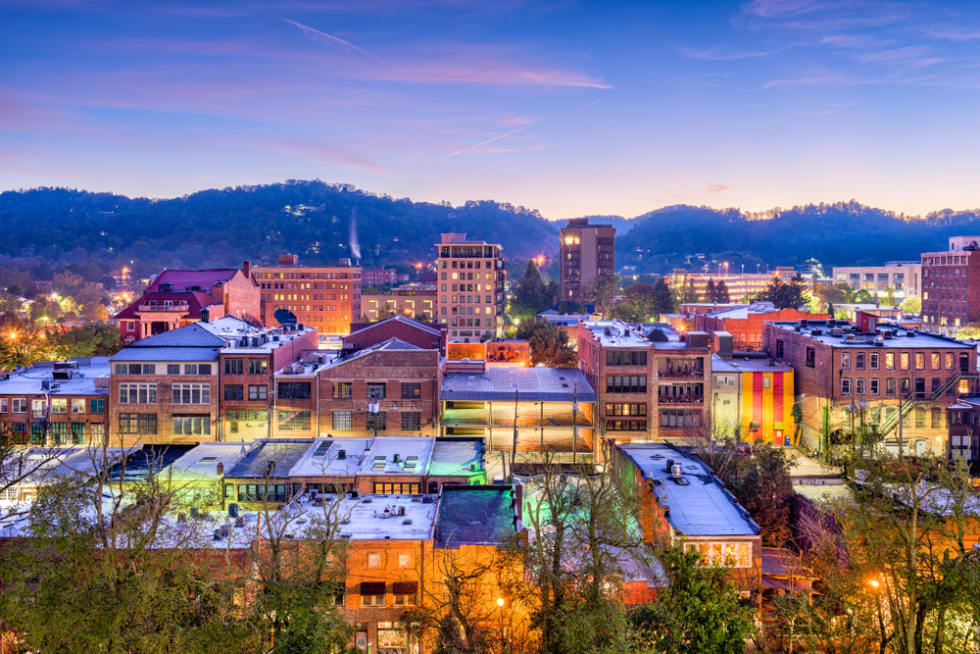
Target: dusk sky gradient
[(572, 108)]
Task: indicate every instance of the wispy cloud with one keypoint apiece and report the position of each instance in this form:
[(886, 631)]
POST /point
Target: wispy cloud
[(712, 54), (783, 8), (517, 148), (855, 41), (319, 35), (336, 155), (954, 34), (487, 142), (716, 188)]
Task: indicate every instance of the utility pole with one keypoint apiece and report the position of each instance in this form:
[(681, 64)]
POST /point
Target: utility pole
[(574, 422), (513, 449)]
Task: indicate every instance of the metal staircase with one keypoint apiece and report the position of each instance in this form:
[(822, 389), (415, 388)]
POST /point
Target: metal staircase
[(891, 422)]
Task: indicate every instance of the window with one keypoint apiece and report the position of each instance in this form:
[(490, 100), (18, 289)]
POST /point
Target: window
[(874, 385), (859, 361), (404, 593), (780, 349), (59, 405), (294, 420), (59, 433), (258, 366), (191, 425), (949, 361), (934, 361), (294, 390), (258, 392), (404, 560), (374, 560), (133, 393), (638, 409), (38, 408), (342, 420), (679, 418), (376, 390), (341, 390), (859, 385), (920, 417), (234, 366), (137, 423), (234, 392), (202, 369), (377, 421), (936, 418), (920, 360), (904, 360), (626, 384), (372, 593), (811, 357), (4, 405), (18, 405), (411, 421), (96, 406), (78, 406), (192, 393), (78, 433), (626, 425), (396, 488), (889, 361), (845, 386), (845, 360), (411, 391), (135, 369), (873, 361), (173, 368), (626, 358)]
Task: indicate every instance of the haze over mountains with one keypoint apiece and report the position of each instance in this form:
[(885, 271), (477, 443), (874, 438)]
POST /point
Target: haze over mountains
[(316, 220)]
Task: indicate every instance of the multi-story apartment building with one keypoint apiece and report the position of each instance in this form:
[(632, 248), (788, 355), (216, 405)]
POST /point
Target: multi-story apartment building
[(587, 253), (745, 322), (57, 403), (417, 301), (741, 286), (176, 298), (325, 297), (203, 381), (647, 389), (903, 278), (471, 288), (378, 276), (951, 285), (898, 379)]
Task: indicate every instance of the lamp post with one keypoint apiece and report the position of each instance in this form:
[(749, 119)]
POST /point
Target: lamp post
[(500, 619)]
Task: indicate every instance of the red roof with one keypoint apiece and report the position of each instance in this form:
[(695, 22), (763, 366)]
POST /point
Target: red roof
[(182, 279)]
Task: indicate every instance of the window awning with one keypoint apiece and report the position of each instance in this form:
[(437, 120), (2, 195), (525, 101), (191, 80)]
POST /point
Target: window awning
[(372, 588), (405, 588)]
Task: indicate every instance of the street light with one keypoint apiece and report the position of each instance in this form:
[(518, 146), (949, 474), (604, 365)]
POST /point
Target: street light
[(500, 602)]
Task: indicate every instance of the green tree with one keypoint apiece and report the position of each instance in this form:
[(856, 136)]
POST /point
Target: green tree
[(699, 611), (711, 292), (663, 298), (531, 296), (721, 293), (784, 295), (762, 484), (602, 292), (912, 305), (548, 343)]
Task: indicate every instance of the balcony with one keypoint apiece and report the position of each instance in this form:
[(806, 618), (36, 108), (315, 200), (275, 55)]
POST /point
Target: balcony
[(680, 399), (681, 372), (176, 307)]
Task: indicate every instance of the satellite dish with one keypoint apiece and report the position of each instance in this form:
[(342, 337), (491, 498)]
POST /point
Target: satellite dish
[(285, 317)]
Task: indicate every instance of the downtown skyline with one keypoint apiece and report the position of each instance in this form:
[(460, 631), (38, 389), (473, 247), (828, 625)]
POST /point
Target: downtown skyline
[(569, 108)]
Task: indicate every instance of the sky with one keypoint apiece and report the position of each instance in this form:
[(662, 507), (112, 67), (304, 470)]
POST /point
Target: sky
[(572, 108)]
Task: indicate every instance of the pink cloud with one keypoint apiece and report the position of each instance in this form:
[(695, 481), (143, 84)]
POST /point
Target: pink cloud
[(716, 188), (517, 148), (336, 155)]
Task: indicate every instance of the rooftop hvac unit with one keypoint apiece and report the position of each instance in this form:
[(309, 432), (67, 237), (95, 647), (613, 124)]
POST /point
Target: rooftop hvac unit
[(837, 331)]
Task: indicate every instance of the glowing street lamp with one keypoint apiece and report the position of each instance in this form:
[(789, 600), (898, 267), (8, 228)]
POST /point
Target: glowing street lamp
[(12, 335), (500, 602)]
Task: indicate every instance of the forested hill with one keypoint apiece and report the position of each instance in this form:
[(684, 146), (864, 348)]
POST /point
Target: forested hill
[(223, 227), (56, 228)]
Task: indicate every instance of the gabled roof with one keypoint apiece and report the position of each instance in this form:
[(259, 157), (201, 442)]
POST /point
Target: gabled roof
[(193, 335), (183, 279), (196, 300), (403, 320), (392, 344)]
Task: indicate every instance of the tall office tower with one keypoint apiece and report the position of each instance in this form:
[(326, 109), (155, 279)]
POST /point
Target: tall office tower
[(471, 288), (587, 252)]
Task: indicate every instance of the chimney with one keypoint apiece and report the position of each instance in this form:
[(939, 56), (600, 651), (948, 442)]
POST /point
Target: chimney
[(723, 344), (247, 269), (221, 468), (205, 314)]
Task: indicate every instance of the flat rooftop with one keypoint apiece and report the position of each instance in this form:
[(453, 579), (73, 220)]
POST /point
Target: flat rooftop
[(394, 455), (362, 518), (332, 457), (270, 458), (616, 333), (700, 507), (452, 457), (85, 381), (532, 385), (201, 461), (900, 339), (475, 515), (46, 465), (742, 312), (747, 364)]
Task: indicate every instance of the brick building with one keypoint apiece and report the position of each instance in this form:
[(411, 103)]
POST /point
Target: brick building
[(325, 297), (471, 288), (176, 298), (647, 389), (872, 372), (378, 276), (416, 301), (427, 337), (391, 387), (587, 253), (744, 322), (951, 285), (57, 403)]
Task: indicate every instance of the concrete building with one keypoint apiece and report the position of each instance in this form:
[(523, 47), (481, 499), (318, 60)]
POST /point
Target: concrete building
[(744, 322), (416, 301), (471, 288), (176, 298), (903, 278), (554, 410), (647, 389), (752, 396), (680, 501), (741, 287), (57, 403), (877, 373), (951, 285), (587, 253), (325, 297)]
